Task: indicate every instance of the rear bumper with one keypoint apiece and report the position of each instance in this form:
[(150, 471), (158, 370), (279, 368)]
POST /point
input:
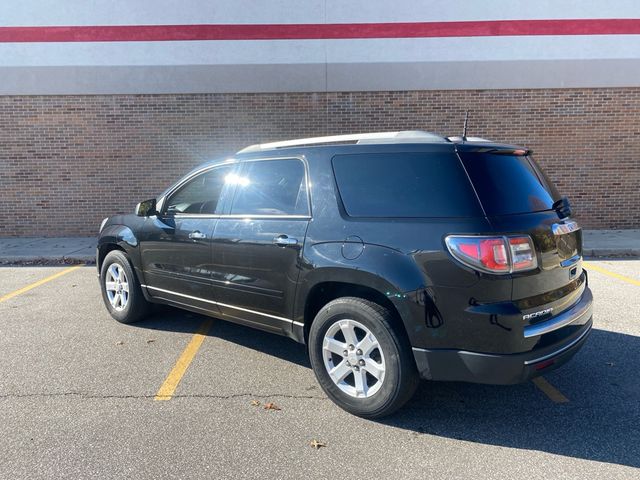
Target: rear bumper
[(464, 366)]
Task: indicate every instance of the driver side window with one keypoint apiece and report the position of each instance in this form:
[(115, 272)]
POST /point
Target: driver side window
[(202, 194)]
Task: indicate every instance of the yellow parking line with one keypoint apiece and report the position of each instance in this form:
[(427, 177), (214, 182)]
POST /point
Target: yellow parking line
[(591, 266), (173, 379), (38, 283), (549, 390)]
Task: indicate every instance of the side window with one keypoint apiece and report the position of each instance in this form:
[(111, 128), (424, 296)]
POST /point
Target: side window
[(201, 194), (404, 185), (271, 187)]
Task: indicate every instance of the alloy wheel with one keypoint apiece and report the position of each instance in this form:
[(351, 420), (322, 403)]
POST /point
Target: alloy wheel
[(117, 286), (353, 358)]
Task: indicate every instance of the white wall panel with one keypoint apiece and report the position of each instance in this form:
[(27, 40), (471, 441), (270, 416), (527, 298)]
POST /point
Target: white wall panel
[(541, 61), (158, 12), (465, 10)]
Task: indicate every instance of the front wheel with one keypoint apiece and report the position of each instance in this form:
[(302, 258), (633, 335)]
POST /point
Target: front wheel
[(360, 359), (121, 290)]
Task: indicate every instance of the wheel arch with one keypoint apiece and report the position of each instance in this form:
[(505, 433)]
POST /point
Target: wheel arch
[(330, 283), (103, 250), (119, 237)]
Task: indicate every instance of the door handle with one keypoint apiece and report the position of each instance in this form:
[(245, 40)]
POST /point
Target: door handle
[(284, 241), (197, 235)]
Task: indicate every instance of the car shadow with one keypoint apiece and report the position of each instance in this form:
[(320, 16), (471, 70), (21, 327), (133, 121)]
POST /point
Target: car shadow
[(174, 320), (601, 421)]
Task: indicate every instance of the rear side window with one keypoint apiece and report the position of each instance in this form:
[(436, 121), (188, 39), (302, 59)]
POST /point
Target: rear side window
[(271, 187), (509, 184), (404, 185)]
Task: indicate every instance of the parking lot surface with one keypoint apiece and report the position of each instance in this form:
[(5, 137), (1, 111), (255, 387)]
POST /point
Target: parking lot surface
[(82, 396)]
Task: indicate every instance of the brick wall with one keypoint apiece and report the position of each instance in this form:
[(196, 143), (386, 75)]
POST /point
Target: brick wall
[(68, 161)]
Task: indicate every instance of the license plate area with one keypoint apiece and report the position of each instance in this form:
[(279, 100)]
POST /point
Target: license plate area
[(568, 239)]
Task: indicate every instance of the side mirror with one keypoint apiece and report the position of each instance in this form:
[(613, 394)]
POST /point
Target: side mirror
[(146, 208)]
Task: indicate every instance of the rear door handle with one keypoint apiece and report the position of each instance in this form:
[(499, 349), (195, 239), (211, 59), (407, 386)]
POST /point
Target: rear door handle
[(197, 235), (284, 240)]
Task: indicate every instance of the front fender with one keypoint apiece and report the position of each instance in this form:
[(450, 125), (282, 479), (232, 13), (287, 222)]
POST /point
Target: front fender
[(123, 237)]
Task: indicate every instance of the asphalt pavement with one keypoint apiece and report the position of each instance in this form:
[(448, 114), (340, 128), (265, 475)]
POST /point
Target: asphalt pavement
[(78, 399)]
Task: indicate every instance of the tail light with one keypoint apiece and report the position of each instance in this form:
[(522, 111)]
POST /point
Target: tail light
[(494, 254)]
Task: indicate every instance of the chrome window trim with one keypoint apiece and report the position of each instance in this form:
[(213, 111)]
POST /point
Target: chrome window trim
[(242, 309), (240, 217)]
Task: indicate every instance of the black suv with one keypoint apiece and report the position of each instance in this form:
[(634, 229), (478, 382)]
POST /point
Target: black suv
[(393, 256)]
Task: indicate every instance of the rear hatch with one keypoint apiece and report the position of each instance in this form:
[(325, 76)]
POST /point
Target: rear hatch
[(518, 198)]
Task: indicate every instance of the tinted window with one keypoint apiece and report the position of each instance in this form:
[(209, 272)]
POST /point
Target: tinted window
[(508, 184), (202, 194), (271, 187), (404, 185)]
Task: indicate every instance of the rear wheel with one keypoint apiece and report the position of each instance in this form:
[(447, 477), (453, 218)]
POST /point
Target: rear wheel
[(121, 290), (360, 360)]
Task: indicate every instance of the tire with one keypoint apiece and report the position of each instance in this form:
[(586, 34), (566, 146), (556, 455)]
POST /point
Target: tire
[(375, 392), (131, 306)]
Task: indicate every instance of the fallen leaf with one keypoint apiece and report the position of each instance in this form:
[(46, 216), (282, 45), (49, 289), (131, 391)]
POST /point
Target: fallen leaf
[(255, 403), (317, 445), (271, 406)]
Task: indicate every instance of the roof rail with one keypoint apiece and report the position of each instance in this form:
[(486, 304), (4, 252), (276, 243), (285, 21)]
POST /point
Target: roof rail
[(459, 139), (405, 136)]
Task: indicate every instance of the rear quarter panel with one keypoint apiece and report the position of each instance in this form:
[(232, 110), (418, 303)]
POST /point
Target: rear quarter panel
[(404, 259)]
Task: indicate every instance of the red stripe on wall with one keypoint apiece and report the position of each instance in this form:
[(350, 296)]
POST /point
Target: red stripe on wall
[(160, 33)]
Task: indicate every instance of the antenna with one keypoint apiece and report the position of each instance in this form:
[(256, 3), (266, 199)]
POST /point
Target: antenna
[(464, 129)]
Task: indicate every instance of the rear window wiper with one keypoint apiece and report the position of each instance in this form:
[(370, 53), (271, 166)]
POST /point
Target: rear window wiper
[(563, 207)]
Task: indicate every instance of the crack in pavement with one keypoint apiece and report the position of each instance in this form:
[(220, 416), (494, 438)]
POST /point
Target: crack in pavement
[(195, 395)]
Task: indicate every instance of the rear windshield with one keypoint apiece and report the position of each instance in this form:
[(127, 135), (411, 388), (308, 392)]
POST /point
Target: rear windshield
[(509, 184), (404, 185)]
